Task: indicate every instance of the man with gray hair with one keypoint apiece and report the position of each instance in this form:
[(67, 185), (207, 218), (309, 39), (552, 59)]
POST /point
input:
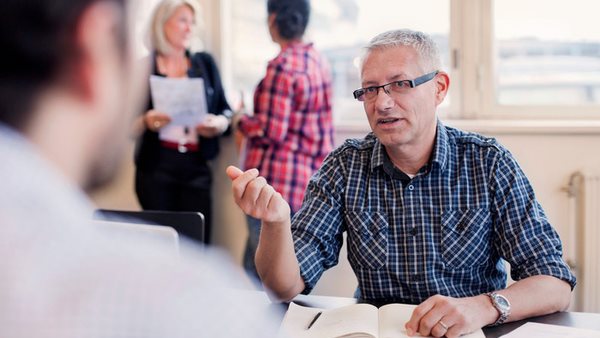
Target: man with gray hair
[(430, 211)]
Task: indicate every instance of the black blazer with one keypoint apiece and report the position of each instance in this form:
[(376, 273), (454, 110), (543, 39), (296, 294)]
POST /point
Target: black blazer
[(202, 65)]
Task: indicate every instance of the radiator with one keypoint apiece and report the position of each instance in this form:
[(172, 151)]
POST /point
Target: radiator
[(582, 246)]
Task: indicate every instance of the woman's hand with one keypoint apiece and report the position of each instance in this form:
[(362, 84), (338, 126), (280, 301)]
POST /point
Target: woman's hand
[(154, 120), (213, 125)]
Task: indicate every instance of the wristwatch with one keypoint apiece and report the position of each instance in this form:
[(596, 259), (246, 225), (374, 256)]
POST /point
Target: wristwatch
[(502, 305)]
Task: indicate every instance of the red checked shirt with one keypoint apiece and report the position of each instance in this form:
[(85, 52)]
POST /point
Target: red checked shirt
[(291, 130)]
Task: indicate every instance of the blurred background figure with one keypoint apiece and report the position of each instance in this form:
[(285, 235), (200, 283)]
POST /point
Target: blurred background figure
[(69, 90), (175, 176), (291, 130)]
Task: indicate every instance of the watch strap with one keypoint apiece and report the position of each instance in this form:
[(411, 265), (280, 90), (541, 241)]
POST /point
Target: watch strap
[(504, 312)]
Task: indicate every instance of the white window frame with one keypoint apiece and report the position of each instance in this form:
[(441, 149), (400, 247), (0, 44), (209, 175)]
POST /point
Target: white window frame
[(472, 47), (490, 108)]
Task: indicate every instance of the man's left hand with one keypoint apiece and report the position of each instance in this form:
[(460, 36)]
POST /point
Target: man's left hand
[(441, 316)]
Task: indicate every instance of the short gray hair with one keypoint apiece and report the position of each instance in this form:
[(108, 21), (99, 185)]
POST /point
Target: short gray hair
[(421, 42), (162, 13)]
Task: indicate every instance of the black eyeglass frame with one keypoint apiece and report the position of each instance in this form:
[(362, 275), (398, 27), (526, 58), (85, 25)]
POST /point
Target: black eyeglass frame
[(412, 84)]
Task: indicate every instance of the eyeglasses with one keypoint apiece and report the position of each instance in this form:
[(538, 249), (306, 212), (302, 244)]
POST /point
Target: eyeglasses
[(394, 87)]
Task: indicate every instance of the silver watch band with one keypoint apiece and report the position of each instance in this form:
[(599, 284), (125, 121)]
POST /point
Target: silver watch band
[(502, 305)]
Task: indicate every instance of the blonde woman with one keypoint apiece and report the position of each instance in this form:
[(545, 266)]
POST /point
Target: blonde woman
[(175, 176)]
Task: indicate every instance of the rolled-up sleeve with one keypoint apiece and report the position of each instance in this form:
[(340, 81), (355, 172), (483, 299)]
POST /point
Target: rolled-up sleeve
[(318, 226), (525, 237)]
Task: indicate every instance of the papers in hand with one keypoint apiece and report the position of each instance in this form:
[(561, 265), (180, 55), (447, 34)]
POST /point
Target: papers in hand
[(358, 320), (183, 99)]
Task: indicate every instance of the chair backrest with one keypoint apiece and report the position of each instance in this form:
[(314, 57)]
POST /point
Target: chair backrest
[(157, 235), (186, 223)]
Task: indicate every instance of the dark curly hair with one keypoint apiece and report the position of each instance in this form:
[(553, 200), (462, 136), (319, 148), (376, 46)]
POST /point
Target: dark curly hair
[(291, 17), (37, 39)]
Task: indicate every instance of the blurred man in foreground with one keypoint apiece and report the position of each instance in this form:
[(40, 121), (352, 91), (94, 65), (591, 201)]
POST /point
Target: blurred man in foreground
[(65, 110)]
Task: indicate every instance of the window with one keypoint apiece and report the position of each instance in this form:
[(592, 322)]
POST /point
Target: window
[(547, 53), (508, 59), (339, 29)]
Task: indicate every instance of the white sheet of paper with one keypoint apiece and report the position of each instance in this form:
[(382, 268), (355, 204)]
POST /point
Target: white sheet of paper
[(183, 99), (537, 330)]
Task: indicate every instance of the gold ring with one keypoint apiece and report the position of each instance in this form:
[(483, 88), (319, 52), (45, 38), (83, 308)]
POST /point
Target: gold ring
[(156, 124), (442, 324)]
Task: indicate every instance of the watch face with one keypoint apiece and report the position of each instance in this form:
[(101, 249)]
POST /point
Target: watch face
[(502, 302)]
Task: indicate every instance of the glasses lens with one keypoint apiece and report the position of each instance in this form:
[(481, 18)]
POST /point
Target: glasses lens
[(371, 92), (399, 86)]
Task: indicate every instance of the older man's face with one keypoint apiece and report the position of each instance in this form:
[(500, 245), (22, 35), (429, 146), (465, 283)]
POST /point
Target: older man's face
[(400, 119)]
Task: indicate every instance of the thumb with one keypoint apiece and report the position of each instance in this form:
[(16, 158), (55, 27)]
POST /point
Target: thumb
[(233, 172)]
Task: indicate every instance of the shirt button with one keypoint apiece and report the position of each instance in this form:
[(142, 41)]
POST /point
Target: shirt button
[(411, 187)]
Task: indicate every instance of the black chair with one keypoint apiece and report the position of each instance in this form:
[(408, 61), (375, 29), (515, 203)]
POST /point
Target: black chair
[(186, 223)]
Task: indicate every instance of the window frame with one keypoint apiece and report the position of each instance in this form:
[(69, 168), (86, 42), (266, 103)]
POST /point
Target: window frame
[(472, 53), (490, 108)]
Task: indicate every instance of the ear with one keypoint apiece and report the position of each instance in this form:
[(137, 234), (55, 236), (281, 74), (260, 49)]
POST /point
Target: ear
[(96, 44), (442, 83), (271, 19)]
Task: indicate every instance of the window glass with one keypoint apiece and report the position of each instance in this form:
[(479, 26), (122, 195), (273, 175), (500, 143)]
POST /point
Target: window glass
[(547, 52), (339, 29)]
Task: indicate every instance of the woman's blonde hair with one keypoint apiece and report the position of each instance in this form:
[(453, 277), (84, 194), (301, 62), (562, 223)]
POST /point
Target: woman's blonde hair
[(162, 13)]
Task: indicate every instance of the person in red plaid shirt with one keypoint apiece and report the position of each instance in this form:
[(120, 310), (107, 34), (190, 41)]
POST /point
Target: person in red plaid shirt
[(291, 130)]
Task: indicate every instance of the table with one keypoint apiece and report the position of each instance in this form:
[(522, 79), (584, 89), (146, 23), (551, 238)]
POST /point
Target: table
[(572, 319)]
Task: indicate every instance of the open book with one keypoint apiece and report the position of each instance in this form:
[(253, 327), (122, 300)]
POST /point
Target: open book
[(358, 320)]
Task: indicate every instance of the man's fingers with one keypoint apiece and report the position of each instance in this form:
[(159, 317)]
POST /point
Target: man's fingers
[(233, 172), (251, 193), (412, 326), (440, 327), (241, 182), (430, 323), (262, 202)]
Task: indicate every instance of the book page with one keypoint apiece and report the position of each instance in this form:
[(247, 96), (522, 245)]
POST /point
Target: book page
[(358, 320), (392, 318)]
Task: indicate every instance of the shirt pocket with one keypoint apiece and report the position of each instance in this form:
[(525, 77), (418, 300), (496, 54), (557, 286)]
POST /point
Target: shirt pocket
[(367, 238), (465, 237)]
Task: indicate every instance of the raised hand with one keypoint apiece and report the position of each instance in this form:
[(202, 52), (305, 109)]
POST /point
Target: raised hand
[(257, 198)]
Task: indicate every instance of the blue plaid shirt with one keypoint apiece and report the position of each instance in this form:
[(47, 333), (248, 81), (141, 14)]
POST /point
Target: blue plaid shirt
[(444, 232)]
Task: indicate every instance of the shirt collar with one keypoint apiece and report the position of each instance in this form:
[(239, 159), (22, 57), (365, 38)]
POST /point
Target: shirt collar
[(440, 149), (378, 157)]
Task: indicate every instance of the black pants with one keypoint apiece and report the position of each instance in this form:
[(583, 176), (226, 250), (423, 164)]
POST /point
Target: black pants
[(180, 182)]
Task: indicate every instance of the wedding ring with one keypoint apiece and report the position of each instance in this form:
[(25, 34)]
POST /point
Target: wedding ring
[(156, 124), (442, 324)]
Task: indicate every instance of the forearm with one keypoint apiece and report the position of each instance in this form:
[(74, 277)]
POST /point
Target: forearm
[(249, 126), (530, 297), (536, 296), (276, 261)]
